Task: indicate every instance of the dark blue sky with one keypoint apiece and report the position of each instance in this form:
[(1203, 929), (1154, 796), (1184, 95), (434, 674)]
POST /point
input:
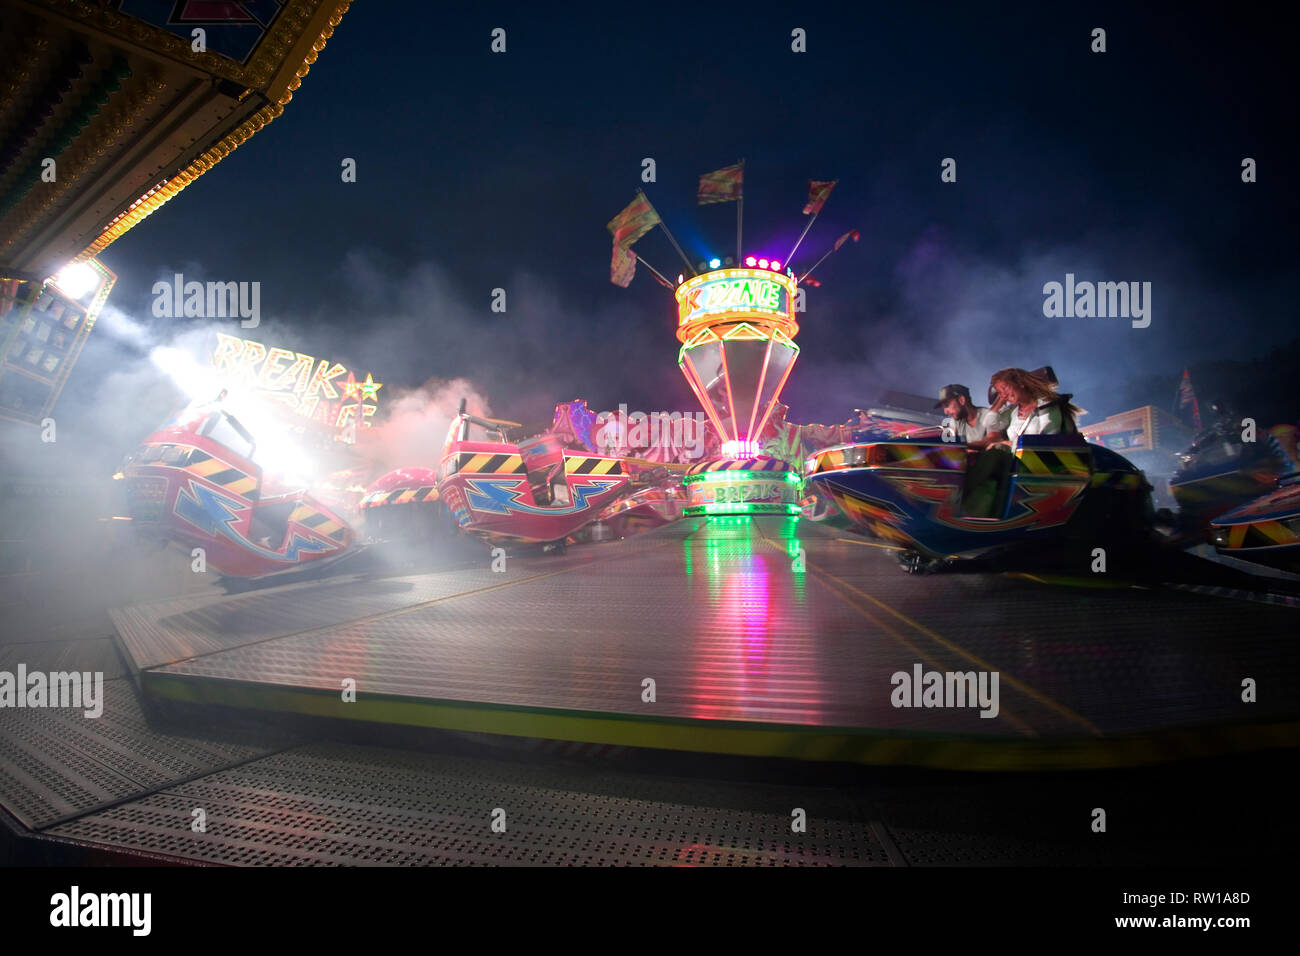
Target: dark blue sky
[(478, 171)]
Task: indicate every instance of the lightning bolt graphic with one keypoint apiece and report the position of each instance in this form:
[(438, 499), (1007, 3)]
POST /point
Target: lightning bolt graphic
[(501, 496), (215, 514)]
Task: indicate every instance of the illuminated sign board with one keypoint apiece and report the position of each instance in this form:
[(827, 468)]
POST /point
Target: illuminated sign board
[(730, 295), (43, 328), (318, 389), (746, 293), (741, 492)]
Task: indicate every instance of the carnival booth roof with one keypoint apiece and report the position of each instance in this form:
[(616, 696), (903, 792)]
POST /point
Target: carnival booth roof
[(107, 110)]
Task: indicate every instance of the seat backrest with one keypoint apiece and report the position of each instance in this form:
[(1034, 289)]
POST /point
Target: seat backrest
[(1068, 425)]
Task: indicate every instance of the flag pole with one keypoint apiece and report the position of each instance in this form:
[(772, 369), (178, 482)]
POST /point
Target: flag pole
[(670, 239), (677, 247), (815, 265), (740, 212), (810, 221), (801, 235), (653, 269), (824, 258)]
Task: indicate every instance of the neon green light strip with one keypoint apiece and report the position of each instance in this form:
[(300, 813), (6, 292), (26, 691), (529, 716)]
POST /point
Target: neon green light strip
[(726, 476), (747, 508)]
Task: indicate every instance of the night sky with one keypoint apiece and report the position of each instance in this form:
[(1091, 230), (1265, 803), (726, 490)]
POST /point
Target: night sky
[(478, 170)]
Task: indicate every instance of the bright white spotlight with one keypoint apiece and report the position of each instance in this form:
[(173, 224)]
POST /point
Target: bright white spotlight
[(195, 380), (76, 279)]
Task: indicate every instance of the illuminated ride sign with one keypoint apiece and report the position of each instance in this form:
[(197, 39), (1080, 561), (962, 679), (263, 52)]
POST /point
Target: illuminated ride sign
[(737, 331), (43, 328), (325, 392), (732, 295), (735, 492)]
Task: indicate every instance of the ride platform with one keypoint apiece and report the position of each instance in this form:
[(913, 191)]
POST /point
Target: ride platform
[(524, 689), (759, 636)]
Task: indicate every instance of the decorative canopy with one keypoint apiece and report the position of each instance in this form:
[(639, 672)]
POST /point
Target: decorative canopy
[(107, 110)]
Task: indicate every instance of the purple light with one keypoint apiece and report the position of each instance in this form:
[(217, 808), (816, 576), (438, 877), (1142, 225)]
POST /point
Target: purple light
[(776, 264), (751, 262), (762, 263)]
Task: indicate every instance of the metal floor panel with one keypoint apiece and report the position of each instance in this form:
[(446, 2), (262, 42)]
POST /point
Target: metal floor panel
[(57, 762), (331, 804), (1128, 659), (161, 632), (45, 777), (741, 641), (95, 655), (724, 627)]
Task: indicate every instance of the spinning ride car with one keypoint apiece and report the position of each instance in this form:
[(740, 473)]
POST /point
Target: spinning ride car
[(538, 492), (1220, 472), (196, 482), (910, 491), (643, 509), (1266, 531)]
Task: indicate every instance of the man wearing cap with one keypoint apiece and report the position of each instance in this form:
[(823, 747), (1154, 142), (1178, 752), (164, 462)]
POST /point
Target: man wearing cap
[(970, 423)]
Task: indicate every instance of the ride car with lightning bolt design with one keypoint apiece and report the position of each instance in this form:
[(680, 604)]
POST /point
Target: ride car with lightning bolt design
[(196, 483), (495, 489)]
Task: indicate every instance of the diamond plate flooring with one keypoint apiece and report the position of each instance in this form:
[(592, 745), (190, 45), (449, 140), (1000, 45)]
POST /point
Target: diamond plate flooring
[(762, 621), (332, 804), (56, 763)]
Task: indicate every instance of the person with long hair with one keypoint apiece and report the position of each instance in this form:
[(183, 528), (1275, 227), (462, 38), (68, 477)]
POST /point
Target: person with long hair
[(1035, 409)]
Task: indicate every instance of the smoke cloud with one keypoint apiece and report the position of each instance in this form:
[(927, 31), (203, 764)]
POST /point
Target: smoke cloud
[(416, 422)]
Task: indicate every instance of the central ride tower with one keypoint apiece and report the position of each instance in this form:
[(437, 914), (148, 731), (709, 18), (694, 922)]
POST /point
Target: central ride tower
[(737, 330)]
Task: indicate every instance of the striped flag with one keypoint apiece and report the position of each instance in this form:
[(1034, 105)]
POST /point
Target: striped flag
[(818, 193), (636, 219), (622, 267), (722, 185)]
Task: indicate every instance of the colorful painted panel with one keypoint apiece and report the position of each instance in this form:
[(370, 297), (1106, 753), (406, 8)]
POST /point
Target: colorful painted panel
[(234, 28)]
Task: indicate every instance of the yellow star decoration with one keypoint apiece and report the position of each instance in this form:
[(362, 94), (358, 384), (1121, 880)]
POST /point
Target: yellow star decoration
[(370, 388)]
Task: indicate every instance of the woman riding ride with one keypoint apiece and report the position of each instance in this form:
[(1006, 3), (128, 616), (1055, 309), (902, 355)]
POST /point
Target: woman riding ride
[(1035, 409)]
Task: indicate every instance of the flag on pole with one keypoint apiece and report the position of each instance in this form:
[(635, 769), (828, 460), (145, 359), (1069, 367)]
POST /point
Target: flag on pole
[(636, 219), (1188, 397), (854, 235), (722, 185), (818, 193), (622, 266)]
